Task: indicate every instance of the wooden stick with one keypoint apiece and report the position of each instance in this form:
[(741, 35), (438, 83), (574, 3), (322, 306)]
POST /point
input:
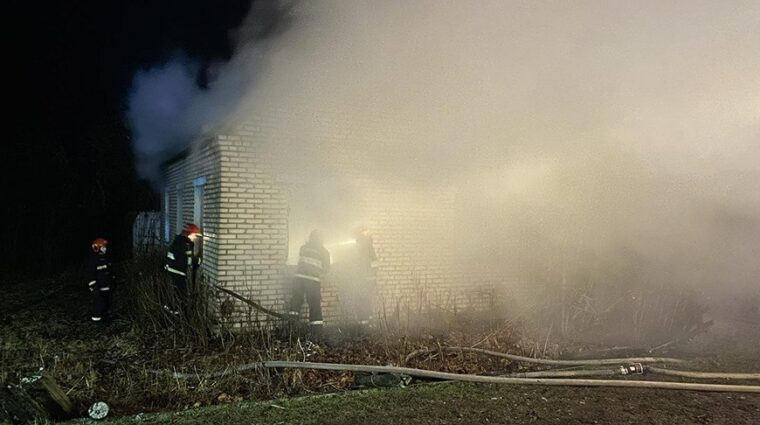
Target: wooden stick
[(251, 303)]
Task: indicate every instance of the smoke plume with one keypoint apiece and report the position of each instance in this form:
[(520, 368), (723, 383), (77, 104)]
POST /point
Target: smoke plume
[(177, 101), (574, 136), (609, 132)]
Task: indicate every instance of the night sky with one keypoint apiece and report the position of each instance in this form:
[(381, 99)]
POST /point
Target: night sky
[(71, 170)]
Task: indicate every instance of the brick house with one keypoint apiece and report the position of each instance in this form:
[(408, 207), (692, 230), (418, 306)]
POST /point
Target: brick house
[(255, 214)]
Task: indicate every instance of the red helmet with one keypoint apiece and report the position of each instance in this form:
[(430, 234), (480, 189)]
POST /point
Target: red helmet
[(98, 244), (191, 229)]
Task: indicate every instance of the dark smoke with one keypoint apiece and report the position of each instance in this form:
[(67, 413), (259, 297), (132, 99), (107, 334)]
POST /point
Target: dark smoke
[(174, 102)]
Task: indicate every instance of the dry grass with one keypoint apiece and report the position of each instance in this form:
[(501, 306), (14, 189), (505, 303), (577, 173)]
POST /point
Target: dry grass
[(616, 314), (116, 363)]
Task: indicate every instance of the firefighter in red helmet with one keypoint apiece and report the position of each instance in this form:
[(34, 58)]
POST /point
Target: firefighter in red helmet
[(100, 275), (180, 262)]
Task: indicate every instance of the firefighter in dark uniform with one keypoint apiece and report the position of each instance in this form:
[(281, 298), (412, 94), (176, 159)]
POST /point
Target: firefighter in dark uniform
[(179, 263), (365, 260), (100, 274), (313, 263)]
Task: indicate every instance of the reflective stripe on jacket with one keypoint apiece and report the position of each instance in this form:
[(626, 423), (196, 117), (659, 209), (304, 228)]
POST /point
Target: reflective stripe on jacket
[(179, 256), (99, 271)]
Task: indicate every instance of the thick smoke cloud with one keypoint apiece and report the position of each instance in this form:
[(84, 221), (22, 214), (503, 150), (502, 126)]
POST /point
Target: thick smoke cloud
[(574, 135)]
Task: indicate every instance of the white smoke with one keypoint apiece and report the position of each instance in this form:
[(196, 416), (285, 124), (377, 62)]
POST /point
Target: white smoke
[(610, 130), (604, 131)]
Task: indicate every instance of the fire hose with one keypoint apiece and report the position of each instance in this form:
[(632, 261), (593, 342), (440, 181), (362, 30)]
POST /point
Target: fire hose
[(565, 373), (513, 357), (624, 370), (527, 378), (702, 375), (597, 362), (420, 373)]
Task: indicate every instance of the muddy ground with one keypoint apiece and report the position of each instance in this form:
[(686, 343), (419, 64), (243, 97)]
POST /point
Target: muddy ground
[(44, 324)]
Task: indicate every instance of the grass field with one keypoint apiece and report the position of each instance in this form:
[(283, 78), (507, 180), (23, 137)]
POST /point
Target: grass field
[(448, 403), (113, 363)]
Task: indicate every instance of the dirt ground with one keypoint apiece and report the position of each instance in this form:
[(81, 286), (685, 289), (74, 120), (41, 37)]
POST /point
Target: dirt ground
[(44, 324)]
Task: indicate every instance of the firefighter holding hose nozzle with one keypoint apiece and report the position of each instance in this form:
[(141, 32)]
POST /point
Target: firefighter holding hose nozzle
[(179, 262), (313, 263), (364, 265)]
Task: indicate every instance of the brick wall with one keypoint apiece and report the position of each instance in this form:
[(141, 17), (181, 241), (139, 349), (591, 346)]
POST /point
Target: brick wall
[(252, 191), (200, 160), (253, 225), (418, 266)]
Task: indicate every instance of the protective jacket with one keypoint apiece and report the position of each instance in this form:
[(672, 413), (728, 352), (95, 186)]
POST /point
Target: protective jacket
[(180, 255), (313, 261), (99, 272), (100, 276)]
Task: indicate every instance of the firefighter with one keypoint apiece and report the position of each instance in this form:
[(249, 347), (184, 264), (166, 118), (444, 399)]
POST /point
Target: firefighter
[(365, 260), (313, 263), (101, 278), (180, 262)]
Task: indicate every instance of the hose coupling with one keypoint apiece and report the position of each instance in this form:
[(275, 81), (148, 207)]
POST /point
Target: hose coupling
[(632, 369)]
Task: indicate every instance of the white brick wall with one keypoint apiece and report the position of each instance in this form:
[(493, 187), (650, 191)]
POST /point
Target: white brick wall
[(200, 160), (246, 218), (253, 236)]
